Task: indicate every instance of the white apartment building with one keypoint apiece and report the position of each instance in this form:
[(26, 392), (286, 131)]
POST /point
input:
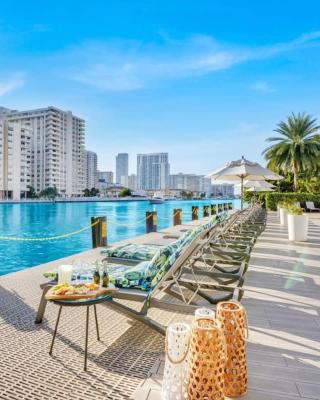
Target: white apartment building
[(222, 190), (15, 159), (200, 184), (153, 171), (122, 169), (132, 182), (91, 169), (105, 179), (57, 148)]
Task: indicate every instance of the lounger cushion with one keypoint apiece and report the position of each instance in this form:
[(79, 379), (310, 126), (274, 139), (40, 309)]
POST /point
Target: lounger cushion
[(130, 251)]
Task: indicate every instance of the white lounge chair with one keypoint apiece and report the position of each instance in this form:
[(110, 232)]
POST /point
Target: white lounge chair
[(310, 206)]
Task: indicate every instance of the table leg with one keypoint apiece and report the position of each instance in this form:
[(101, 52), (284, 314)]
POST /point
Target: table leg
[(86, 342), (42, 305), (96, 319), (55, 330)]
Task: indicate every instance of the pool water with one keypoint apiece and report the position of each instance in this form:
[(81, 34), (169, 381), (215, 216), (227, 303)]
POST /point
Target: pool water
[(125, 220)]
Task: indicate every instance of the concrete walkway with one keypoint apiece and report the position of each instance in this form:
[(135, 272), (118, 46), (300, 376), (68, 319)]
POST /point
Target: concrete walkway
[(118, 364), (282, 298)]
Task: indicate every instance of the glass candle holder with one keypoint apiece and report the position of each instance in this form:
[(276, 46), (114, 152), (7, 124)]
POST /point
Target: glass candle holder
[(65, 274), (204, 313)]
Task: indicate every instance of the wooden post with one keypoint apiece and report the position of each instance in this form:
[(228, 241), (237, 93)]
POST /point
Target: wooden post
[(206, 211), (213, 209), (99, 232), (151, 221), (177, 213), (195, 212)]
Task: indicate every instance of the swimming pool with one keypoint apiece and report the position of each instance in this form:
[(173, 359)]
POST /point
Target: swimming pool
[(125, 220)]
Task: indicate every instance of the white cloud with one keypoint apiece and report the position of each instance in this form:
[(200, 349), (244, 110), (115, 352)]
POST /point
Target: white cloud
[(262, 86), (11, 83), (132, 65)]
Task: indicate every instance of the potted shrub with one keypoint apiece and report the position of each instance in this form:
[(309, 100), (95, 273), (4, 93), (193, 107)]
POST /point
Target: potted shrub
[(283, 210), (297, 224)]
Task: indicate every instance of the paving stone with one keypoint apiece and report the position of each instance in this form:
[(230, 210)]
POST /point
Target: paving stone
[(310, 391)]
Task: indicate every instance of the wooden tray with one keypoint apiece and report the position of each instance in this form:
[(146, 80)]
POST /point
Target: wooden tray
[(90, 295)]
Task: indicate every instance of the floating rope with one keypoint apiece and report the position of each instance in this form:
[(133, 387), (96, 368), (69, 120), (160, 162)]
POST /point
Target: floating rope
[(28, 239)]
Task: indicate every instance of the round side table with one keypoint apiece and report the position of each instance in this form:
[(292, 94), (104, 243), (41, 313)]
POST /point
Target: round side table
[(80, 303)]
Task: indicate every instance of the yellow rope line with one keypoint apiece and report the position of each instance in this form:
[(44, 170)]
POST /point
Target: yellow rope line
[(25, 239)]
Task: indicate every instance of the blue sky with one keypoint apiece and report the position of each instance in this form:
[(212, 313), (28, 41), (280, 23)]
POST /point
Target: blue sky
[(204, 80)]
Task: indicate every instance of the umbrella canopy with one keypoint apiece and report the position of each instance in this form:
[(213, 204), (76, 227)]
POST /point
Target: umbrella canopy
[(244, 169), (257, 185), (256, 189)]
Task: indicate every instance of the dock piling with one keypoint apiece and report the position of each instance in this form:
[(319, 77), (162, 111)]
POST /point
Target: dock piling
[(177, 214), (151, 221), (195, 213), (206, 211), (99, 232)]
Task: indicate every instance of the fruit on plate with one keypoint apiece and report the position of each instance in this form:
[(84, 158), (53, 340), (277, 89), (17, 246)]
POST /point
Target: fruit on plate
[(65, 290)]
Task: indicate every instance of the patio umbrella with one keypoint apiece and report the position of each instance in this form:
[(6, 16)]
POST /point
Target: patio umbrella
[(244, 170), (256, 189), (259, 185)]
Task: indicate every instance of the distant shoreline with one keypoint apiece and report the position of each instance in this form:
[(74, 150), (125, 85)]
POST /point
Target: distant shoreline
[(94, 199)]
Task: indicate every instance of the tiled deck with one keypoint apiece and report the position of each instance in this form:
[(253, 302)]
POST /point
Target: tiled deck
[(282, 299)]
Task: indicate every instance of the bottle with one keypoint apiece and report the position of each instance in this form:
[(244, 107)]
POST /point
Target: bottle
[(105, 278), (96, 277)]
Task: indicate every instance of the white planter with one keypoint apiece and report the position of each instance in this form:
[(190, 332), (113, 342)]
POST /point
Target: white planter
[(283, 212), (298, 228)]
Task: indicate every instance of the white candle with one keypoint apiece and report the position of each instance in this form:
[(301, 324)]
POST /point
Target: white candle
[(65, 274), (204, 313)]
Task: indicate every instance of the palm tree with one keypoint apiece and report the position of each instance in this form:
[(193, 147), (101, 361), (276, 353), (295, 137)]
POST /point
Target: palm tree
[(297, 148)]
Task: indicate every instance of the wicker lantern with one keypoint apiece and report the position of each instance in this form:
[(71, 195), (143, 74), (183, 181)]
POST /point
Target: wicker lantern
[(206, 361), (233, 319), (175, 379)]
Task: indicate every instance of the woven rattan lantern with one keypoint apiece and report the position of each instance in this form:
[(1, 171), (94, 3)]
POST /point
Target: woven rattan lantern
[(233, 319), (206, 361), (175, 379)]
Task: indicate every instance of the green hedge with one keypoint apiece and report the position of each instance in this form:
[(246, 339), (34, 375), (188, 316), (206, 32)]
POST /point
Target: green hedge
[(273, 198)]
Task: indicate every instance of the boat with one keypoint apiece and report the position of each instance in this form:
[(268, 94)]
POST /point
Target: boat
[(157, 198)]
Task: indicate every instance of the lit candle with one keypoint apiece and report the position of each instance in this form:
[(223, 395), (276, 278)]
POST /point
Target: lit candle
[(65, 274)]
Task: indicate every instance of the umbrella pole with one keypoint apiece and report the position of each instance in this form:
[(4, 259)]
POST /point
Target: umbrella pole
[(241, 193)]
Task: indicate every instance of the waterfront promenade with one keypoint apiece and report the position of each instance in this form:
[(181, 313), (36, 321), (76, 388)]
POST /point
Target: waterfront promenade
[(282, 299)]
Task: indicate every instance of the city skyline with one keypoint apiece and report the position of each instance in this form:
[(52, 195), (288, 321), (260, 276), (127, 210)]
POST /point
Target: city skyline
[(219, 83)]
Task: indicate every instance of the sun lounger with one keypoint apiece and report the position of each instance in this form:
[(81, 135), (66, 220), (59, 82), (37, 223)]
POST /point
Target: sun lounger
[(310, 206), (143, 252), (153, 286)]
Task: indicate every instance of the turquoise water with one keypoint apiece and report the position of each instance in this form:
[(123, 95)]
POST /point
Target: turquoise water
[(50, 219)]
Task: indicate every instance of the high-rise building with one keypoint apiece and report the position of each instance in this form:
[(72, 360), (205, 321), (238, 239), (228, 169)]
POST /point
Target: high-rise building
[(222, 190), (189, 182), (91, 169), (15, 159), (153, 171), (105, 179), (57, 148), (122, 169), (132, 182)]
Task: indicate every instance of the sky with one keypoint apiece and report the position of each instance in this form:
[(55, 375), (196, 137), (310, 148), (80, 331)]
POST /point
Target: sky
[(206, 81)]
